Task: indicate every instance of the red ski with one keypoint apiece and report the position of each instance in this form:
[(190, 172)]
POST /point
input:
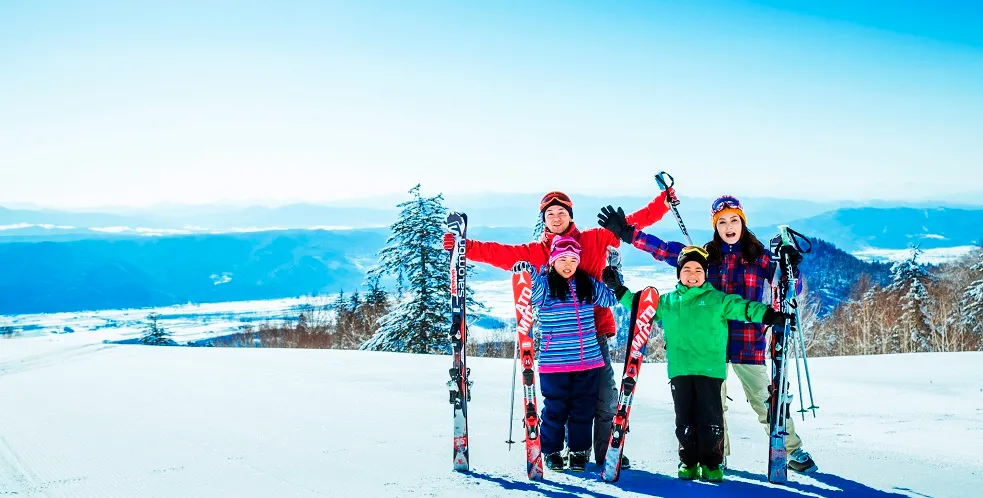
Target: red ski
[(643, 309), (522, 291)]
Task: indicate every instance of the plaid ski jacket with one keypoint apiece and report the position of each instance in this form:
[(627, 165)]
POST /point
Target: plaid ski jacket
[(746, 341)]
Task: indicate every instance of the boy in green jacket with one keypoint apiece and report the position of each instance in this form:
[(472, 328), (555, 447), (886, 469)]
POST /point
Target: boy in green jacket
[(694, 322)]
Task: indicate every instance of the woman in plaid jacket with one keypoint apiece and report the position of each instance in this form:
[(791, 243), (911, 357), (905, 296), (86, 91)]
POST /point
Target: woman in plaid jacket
[(738, 264)]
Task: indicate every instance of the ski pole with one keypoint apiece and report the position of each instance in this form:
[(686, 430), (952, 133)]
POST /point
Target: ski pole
[(795, 238), (805, 363), (798, 375), (659, 178), (515, 362)]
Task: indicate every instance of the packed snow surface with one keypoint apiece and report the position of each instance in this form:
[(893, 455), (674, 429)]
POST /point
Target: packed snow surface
[(80, 419)]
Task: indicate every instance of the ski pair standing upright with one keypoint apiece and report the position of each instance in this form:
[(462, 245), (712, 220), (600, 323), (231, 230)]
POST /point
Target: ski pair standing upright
[(526, 356), (459, 386), (783, 338), (644, 305)]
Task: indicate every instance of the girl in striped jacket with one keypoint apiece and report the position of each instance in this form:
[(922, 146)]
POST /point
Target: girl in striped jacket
[(569, 354)]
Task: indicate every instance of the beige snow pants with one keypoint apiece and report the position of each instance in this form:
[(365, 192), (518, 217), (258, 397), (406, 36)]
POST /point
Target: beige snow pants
[(755, 381)]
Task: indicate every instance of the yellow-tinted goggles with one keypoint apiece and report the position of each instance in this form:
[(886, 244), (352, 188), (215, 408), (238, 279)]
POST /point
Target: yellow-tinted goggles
[(697, 249)]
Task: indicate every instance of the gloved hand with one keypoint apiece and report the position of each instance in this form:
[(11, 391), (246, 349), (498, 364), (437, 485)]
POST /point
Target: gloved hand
[(448, 241), (776, 319), (616, 223), (795, 257), (522, 266), (671, 199), (612, 278)]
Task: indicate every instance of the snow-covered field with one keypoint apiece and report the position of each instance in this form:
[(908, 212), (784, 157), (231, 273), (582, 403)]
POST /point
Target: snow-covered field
[(187, 322), (190, 322), (79, 419), (929, 256)]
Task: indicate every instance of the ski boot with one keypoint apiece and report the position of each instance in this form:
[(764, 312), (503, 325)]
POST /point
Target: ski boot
[(800, 461), (556, 462), (712, 473), (578, 460), (688, 472)]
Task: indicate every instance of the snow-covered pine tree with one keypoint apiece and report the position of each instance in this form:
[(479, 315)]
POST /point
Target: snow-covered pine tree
[(908, 279), (156, 335), (419, 322), (537, 232), (972, 301), (376, 298)]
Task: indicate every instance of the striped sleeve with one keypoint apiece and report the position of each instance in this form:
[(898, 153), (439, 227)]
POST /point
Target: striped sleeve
[(603, 296), (539, 287)]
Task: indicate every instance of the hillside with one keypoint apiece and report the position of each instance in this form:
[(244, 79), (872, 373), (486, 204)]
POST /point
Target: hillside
[(151, 271)]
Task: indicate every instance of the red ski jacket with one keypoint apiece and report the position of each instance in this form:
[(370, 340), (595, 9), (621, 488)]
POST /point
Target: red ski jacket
[(593, 257)]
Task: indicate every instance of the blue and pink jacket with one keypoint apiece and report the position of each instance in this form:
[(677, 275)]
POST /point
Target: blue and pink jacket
[(569, 337)]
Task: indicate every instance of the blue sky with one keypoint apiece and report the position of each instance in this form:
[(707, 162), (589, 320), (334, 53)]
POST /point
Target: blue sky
[(115, 103)]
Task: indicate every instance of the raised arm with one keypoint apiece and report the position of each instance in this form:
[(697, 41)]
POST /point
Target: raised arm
[(658, 248), (650, 214), (617, 226), (505, 255)]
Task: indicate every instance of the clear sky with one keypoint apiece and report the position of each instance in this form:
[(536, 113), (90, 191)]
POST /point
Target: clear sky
[(135, 103)]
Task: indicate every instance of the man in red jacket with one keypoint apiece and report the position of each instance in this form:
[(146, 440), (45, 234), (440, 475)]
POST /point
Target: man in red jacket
[(557, 211)]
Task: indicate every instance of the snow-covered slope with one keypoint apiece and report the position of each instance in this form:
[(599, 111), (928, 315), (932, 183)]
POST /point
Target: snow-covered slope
[(79, 419)]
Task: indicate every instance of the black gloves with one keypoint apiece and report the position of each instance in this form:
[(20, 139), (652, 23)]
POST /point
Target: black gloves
[(776, 319), (612, 278), (616, 223), (794, 256), (780, 250)]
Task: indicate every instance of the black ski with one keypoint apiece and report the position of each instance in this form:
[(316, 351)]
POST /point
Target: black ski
[(459, 385)]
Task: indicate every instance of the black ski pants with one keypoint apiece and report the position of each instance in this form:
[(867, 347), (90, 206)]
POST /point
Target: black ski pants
[(699, 419)]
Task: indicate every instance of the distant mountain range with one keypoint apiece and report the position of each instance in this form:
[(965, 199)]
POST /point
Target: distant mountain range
[(154, 271), (850, 228), (66, 261)]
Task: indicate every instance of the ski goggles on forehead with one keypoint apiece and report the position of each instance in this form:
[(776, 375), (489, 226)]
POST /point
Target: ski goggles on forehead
[(567, 245), (725, 202), (697, 249), (551, 197)]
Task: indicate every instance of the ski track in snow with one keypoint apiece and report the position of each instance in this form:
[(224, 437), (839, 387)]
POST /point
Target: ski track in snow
[(81, 420)]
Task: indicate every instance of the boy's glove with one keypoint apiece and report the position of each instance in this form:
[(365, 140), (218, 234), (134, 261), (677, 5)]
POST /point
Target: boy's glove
[(776, 319), (612, 278), (616, 223)]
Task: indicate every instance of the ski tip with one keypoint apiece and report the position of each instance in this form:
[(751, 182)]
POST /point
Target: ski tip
[(650, 295), (457, 223)]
